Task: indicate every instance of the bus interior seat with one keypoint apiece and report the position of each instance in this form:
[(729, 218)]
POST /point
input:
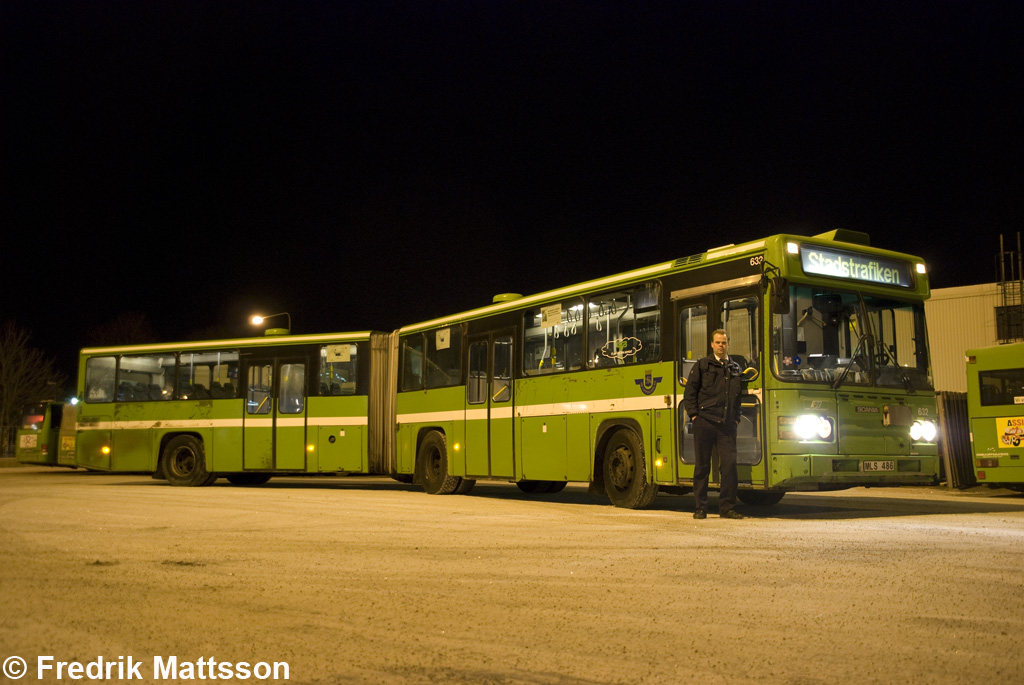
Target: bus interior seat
[(125, 392)]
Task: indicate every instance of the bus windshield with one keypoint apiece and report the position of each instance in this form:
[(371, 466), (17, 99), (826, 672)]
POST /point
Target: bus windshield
[(844, 338)]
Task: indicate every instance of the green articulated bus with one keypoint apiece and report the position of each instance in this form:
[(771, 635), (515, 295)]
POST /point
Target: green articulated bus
[(995, 407), (585, 383), (245, 409), (46, 434)]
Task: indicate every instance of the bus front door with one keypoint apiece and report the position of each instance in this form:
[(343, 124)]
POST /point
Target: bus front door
[(274, 436), (489, 407), (692, 337), (698, 315)]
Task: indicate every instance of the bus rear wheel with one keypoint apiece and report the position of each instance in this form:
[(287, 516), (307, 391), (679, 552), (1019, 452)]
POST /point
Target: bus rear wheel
[(760, 498), (625, 471), (248, 478), (432, 461), (184, 462)]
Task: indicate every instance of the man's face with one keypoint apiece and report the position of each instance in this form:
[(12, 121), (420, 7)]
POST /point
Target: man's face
[(720, 345)]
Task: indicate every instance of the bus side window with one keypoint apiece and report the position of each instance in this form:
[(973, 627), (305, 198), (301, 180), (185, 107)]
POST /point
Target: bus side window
[(412, 362), (553, 338), (339, 365), (624, 326), (99, 379), (444, 357)]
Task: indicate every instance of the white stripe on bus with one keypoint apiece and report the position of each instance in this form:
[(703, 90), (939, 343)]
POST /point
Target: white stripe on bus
[(496, 413), (537, 410), (251, 422)]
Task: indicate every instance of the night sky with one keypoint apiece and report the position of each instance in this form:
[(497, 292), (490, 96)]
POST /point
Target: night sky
[(367, 165)]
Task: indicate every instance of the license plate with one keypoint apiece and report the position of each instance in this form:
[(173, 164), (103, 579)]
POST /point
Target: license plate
[(877, 466)]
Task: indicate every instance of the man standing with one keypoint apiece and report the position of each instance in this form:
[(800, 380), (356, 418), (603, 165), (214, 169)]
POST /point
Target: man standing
[(712, 401)]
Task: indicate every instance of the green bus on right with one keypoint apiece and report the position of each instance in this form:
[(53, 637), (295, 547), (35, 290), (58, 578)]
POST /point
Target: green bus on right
[(995, 405)]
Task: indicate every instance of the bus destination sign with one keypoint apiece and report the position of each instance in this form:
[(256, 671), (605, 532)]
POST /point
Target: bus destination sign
[(859, 267)]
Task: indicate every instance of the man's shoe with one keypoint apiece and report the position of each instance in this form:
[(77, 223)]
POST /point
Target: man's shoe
[(700, 514), (731, 514)]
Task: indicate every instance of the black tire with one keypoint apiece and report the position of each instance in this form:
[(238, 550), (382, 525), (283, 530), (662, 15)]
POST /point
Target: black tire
[(556, 486), (625, 471), (184, 462), (432, 463), (465, 485), (248, 478), (760, 498)]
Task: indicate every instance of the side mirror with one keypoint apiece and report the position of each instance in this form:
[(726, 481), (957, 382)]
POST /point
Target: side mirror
[(779, 295)]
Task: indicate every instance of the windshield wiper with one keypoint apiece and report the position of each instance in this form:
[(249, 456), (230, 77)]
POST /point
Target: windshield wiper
[(841, 378)]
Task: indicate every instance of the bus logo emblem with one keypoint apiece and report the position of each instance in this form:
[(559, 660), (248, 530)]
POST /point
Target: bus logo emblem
[(647, 384)]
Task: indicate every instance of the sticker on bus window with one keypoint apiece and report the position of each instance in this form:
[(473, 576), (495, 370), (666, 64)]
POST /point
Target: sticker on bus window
[(1019, 399), (550, 316), (339, 353), (444, 338)]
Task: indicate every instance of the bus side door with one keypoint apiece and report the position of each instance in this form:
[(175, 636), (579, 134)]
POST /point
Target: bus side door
[(274, 435), (489, 407)]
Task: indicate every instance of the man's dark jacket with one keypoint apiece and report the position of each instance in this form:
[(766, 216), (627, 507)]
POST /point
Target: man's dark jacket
[(713, 391)]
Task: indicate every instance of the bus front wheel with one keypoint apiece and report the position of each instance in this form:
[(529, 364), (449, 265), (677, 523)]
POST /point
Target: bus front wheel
[(432, 459), (184, 462), (625, 471)]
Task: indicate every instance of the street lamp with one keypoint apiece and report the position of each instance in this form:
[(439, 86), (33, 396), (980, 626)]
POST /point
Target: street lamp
[(257, 319)]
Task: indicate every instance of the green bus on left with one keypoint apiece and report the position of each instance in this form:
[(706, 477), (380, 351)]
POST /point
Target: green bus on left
[(46, 435), (245, 409)]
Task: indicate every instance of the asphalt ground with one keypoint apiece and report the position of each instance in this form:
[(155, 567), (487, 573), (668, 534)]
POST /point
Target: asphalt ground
[(366, 580)]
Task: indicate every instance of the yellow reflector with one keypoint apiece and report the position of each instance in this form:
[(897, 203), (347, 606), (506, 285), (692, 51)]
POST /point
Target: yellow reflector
[(309, 448), (105, 449)]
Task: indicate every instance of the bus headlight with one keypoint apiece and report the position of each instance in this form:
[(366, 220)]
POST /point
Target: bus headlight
[(805, 427), (923, 431)]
